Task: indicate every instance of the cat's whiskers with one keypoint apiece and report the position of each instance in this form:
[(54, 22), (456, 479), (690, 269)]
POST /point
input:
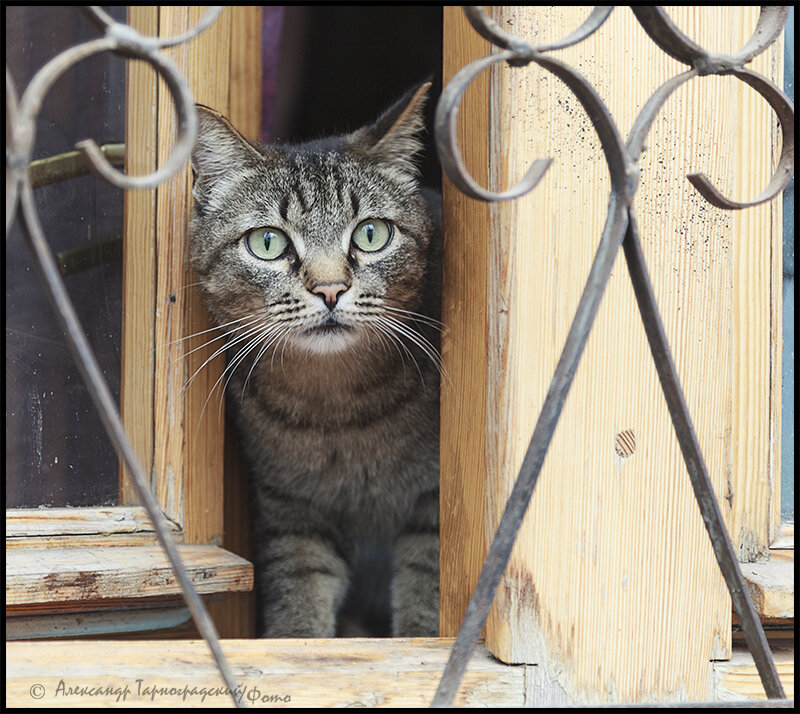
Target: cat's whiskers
[(250, 329), (416, 317), (389, 330), (203, 332), (379, 335), (261, 331), (418, 339), (267, 336), (380, 330), (283, 339), (270, 340)]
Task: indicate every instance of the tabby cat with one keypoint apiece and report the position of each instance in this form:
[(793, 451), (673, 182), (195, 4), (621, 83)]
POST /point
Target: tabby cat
[(320, 261)]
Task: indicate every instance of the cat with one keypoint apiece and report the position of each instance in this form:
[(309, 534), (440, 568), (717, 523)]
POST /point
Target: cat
[(321, 261)]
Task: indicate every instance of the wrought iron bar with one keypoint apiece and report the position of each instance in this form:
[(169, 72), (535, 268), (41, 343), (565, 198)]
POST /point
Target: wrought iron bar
[(21, 118), (695, 464), (620, 223)]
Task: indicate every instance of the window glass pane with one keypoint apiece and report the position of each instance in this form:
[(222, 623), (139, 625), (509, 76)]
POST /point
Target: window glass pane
[(57, 452), (787, 417)]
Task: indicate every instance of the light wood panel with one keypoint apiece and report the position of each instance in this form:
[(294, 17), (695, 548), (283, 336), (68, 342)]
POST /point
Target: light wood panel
[(138, 257), (771, 586), (303, 673), (178, 426), (613, 588), (189, 421), (757, 302), (235, 615), (30, 523), (320, 673), (738, 678), (463, 400), (56, 575)]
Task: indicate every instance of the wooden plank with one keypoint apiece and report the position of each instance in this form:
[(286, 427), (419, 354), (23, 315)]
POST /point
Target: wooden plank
[(78, 527), (51, 575), (738, 678), (138, 257), (244, 91), (463, 400), (107, 623), (303, 673), (208, 72), (79, 607), (171, 206), (636, 549), (771, 586), (234, 615), (28, 523), (784, 538), (189, 438), (756, 261)]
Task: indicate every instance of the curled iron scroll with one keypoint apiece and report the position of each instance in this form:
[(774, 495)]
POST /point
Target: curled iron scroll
[(621, 220), (517, 54), (666, 34), (20, 138), (669, 38), (124, 33), (125, 41)]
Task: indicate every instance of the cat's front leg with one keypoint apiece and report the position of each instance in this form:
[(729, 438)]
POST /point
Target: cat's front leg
[(415, 583), (303, 581)]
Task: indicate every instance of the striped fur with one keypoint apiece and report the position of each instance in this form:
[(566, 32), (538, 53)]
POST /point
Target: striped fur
[(337, 410)]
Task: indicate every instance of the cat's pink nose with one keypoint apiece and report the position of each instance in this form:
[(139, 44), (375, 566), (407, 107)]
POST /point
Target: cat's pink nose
[(330, 292)]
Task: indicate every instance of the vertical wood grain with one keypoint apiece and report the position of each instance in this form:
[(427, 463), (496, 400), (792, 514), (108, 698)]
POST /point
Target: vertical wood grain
[(757, 258), (244, 92), (463, 399), (613, 587), (177, 426), (138, 258), (209, 73), (171, 201), (189, 420), (234, 616)]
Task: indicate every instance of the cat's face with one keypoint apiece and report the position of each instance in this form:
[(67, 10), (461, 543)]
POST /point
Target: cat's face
[(321, 246)]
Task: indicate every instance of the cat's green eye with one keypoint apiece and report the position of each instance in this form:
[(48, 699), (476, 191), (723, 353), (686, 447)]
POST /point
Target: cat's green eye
[(266, 243), (372, 234)]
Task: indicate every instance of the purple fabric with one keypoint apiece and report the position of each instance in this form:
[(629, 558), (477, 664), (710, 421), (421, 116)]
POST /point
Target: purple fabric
[(271, 26)]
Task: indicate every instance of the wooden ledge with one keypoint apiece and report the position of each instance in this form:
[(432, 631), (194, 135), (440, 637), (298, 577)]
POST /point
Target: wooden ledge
[(297, 673), (72, 527), (46, 579), (30, 523), (771, 586), (307, 673), (737, 678)]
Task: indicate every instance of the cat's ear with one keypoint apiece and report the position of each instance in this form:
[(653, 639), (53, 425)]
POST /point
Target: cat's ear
[(219, 151), (394, 139)]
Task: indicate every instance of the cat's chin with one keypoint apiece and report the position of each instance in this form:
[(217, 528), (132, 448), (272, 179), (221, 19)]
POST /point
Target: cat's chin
[(327, 340)]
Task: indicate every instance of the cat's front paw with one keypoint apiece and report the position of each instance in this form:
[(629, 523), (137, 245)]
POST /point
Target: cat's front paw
[(303, 583), (415, 586)]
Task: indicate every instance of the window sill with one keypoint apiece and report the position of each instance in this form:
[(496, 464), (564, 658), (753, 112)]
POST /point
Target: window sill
[(771, 586), (311, 673), (62, 579), (771, 583), (117, 525)]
